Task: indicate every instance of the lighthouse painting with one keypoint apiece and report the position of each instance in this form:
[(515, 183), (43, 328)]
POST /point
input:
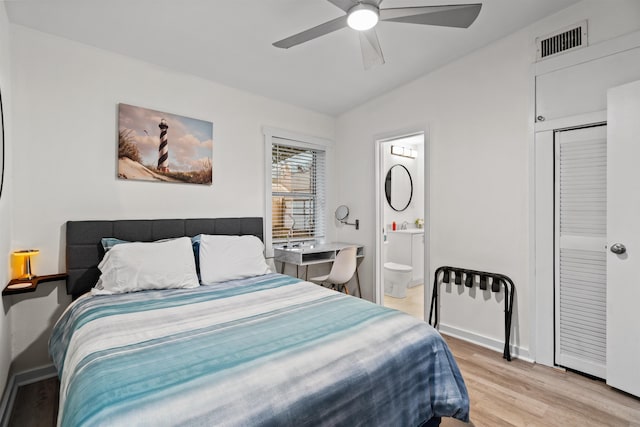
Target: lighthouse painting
[(163, 155), (166, 147)]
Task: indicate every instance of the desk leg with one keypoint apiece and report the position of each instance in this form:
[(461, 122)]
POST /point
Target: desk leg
[(282, 267), (358, 281), (297, 271), (306, 272)]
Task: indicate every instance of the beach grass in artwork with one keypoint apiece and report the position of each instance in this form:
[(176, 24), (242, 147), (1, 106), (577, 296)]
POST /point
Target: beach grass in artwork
[(157, 146)]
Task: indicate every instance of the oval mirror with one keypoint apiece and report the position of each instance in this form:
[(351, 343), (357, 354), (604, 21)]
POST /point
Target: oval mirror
[(342, 213), (398, 187)]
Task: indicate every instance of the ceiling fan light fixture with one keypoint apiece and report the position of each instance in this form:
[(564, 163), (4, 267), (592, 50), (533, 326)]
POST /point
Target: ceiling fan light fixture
[(363, 17)]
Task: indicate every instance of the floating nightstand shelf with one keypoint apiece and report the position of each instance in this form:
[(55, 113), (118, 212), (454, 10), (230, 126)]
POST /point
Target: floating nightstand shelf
[(20, 286)]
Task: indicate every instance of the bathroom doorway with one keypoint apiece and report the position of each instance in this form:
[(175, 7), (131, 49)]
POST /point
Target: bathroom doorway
[(402, 273)]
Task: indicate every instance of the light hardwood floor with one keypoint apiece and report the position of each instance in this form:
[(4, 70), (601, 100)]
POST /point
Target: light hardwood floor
[(519, 393)]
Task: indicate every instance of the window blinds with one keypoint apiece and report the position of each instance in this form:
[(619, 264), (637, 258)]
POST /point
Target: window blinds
[(297, 191)]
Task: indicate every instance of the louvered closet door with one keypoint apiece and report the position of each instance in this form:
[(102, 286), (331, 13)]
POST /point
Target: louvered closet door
[(580, 249)]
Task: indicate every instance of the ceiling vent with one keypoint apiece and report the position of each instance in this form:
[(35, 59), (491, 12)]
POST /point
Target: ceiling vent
[(562, 41)]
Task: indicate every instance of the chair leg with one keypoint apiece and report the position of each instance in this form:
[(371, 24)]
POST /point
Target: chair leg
[(345, 289)]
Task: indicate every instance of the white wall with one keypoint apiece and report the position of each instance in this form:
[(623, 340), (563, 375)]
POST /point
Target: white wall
[(479, 113), (65, 130), (5, 204)]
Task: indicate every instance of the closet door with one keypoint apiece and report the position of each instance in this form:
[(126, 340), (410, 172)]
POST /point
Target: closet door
[(623, 233), (580, 249)]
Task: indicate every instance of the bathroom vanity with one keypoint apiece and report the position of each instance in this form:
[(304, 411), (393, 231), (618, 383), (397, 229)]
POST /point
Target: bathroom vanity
[(407, 247)]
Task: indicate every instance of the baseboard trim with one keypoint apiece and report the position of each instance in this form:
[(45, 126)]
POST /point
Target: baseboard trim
[(484, 341), (18, 379)]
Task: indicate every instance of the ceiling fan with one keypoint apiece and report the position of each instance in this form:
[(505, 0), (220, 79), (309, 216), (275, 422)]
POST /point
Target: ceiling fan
[(363, 15)]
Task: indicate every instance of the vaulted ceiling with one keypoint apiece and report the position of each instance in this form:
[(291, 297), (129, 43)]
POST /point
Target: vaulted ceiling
[(230, 41)]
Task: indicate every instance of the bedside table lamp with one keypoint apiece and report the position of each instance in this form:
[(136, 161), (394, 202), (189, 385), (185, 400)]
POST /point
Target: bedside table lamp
[(26, 255), (23, 278)]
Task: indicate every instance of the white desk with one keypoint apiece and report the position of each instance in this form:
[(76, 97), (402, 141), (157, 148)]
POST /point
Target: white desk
[(315, 253)]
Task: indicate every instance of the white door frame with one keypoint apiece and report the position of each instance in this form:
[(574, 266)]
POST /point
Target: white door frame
[(379, 140)]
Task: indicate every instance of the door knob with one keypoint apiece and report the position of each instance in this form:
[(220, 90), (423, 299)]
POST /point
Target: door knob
[(618, 248)]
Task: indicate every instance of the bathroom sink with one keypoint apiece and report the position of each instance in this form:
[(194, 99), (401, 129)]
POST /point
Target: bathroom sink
[(409, 231)]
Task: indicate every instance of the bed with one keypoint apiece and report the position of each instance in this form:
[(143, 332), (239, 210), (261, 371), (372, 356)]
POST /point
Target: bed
[(269, 350)]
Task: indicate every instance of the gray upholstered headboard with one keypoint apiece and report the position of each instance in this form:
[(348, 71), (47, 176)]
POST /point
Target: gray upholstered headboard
[(84, 249)]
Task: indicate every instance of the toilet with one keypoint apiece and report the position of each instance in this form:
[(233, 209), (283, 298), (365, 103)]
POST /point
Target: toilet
[(396, 279)]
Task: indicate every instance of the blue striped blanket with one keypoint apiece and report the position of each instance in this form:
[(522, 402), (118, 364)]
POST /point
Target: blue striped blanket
[(266, 351)]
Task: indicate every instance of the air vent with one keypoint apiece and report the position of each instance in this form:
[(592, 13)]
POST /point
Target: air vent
[(562, 41)]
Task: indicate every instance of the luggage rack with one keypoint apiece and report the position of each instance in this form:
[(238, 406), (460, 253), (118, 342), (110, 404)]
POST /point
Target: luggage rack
[(471, 277)]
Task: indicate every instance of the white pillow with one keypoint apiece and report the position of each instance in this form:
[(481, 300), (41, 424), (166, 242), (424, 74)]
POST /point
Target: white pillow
[(137, 266), (225, 258)]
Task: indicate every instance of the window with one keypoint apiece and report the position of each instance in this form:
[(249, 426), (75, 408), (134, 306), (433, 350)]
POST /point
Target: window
[(297, 192), (295, 187)]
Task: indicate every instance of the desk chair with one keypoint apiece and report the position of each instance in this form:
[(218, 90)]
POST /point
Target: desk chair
[(342, 270)]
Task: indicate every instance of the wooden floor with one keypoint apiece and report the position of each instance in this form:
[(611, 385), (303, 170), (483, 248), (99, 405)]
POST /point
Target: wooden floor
[(518, 393), (502, 394), (36, 404)]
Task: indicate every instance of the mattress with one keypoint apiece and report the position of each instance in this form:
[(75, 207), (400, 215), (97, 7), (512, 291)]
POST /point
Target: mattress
[(270, 350)]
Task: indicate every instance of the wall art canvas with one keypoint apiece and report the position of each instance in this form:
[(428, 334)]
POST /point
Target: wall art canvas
[(158, 146)]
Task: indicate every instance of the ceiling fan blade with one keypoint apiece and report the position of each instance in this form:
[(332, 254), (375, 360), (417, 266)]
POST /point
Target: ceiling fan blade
[(344, 4), (460, 16), (371, 51), (312, 33)]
